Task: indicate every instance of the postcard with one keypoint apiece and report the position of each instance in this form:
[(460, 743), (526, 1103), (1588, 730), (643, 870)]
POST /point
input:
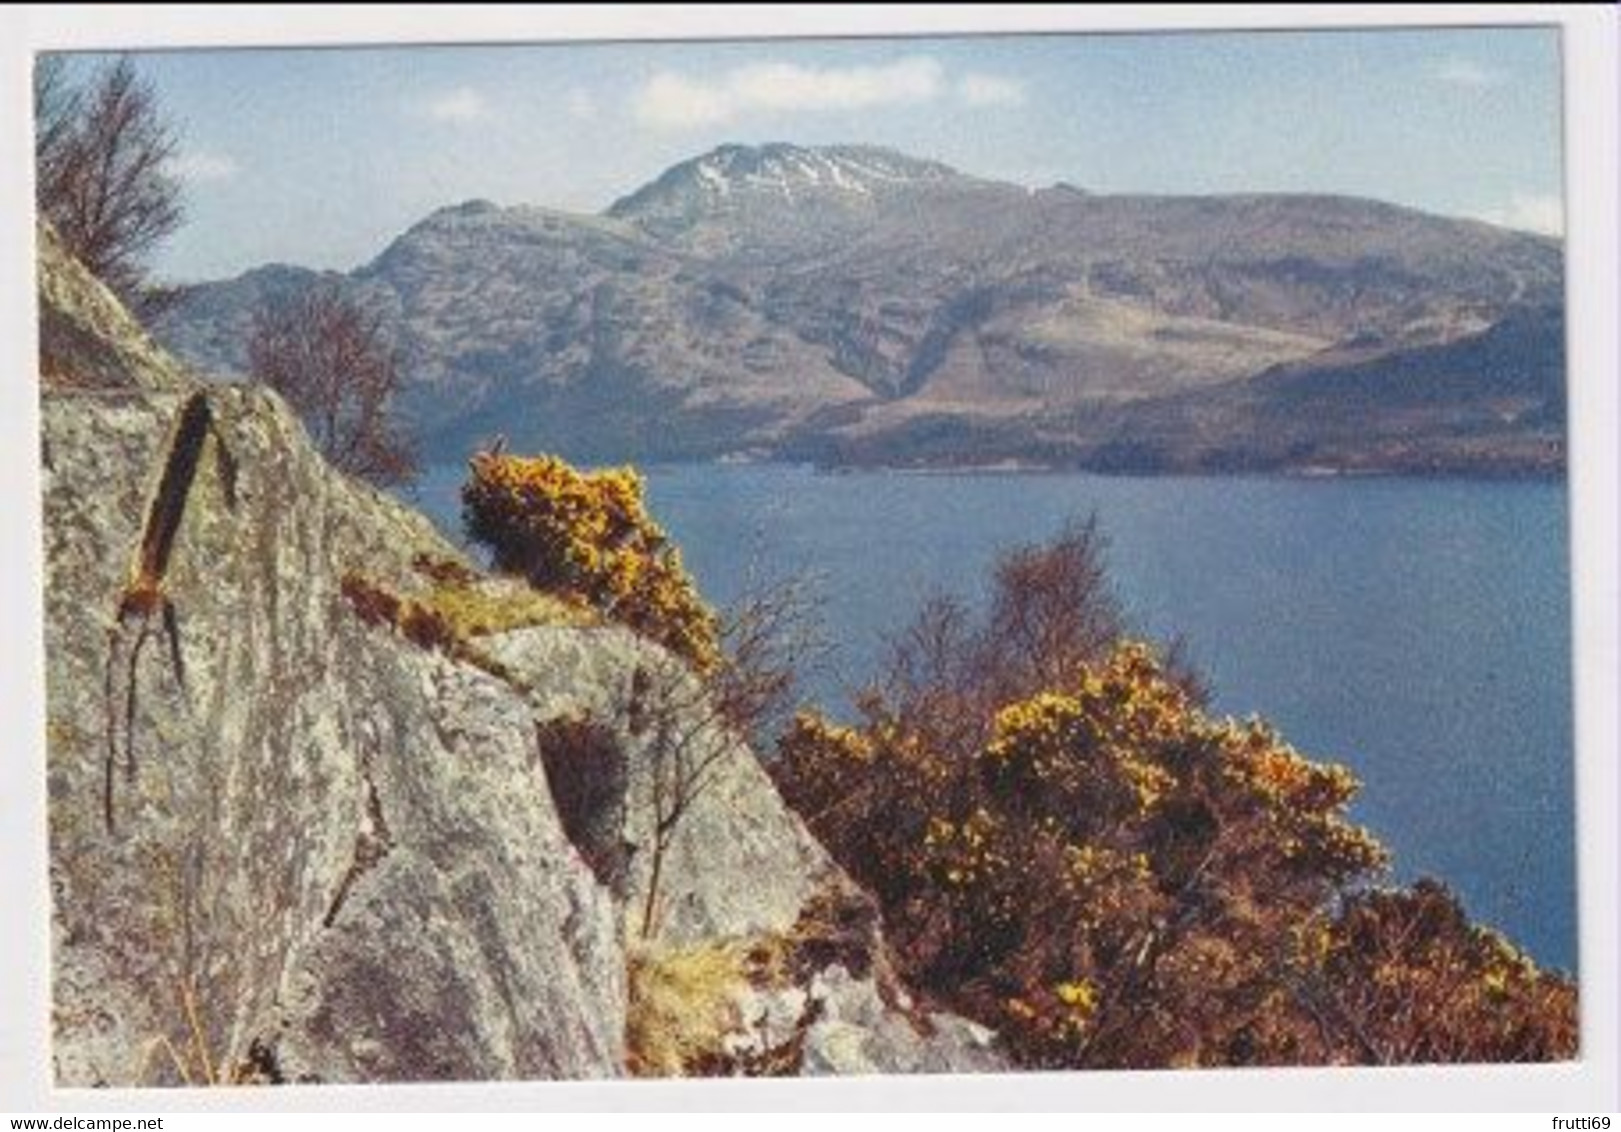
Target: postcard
[(933, 552)]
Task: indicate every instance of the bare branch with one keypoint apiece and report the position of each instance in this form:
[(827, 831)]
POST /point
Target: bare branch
[(101, 156), (769, 638), (328, 356)]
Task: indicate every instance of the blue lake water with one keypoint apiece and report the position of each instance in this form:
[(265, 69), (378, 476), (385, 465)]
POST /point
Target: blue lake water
[(1416, 630)]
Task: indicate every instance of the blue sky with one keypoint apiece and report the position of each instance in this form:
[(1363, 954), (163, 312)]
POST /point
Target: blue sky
[(320, 157)]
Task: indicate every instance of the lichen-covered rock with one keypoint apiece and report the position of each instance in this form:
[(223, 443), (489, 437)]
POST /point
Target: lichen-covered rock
[(739, 880), (736, 860), (303, 827), (857, 1032), (86, 338), (283, 842)]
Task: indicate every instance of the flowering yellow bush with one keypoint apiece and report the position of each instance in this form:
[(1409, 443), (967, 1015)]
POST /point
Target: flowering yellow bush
[(587, 536), (1113, 877)]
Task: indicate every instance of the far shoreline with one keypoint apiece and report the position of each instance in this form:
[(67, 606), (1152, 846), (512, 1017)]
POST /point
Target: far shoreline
[(1015, 467)]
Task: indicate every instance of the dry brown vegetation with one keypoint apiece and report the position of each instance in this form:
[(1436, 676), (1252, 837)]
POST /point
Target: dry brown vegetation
[(690, 1007), (449, 616)]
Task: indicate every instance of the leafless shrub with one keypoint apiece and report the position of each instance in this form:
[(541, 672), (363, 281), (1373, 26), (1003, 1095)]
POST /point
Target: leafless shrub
[(687, 739), (327, 354), (1053, 611), (770, 638), (102, 153)]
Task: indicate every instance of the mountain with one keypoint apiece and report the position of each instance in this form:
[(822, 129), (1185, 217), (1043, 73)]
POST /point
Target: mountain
[(854, 303), (779, 201), (294, 841)]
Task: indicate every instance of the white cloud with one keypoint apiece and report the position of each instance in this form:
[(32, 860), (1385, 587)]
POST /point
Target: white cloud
[(581, 105), (200, 165), (464, 104), (673, 100), (1530, 212), (989, 90), (1467, 73)]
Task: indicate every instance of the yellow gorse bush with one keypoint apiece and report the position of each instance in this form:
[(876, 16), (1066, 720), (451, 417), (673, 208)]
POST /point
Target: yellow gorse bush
[(587, 536), (1114, 877)]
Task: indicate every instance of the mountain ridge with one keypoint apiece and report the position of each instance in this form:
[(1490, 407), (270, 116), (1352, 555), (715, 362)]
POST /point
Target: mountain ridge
[(782, 299)]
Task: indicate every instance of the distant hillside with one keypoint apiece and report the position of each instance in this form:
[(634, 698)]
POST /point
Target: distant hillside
[(853, 303)]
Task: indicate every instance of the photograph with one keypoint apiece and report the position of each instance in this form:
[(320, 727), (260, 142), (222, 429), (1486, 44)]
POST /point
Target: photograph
[(945, 553)]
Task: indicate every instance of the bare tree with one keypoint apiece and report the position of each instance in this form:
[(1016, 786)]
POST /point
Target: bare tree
[(1053, 609), (102, 153), (328, 355)]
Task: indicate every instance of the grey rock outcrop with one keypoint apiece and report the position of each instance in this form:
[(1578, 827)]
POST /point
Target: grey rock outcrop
[(290, 843), (279, 838)]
